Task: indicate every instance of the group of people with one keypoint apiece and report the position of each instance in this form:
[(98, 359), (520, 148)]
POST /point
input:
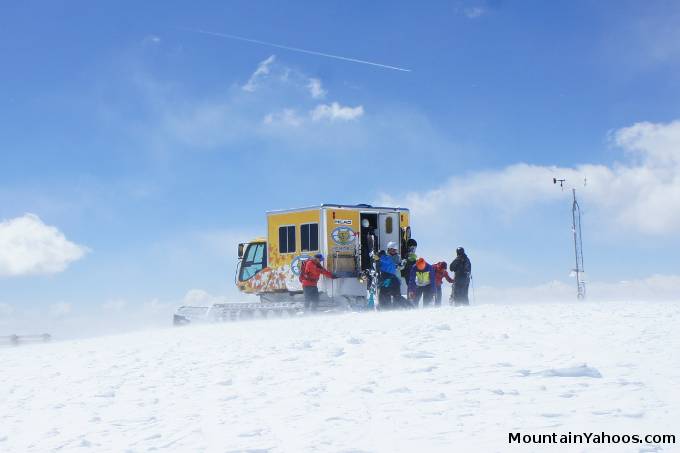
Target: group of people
[(402, 282), (419, 280)]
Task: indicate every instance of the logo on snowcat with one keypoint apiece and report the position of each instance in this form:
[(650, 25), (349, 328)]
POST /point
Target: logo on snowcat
[(343, 235)]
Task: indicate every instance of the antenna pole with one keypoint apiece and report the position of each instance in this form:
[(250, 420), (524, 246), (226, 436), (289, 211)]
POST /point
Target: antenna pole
[(578, 241), (578, 247)]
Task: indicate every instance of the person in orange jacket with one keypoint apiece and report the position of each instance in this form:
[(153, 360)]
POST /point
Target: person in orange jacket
[(421, 283), (310, 273), (440, 273)]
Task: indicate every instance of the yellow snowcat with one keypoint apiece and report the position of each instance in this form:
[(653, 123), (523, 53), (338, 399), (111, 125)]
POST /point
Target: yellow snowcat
[(269, 267)]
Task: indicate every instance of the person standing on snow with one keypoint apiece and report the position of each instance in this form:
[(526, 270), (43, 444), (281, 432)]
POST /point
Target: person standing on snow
[(310, 272), (421, 283), (393, 253), (440, 274), (410, 257), (462, 270), (390, 296)]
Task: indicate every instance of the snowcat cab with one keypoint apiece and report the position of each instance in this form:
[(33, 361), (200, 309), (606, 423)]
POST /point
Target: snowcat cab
[(252, 259)]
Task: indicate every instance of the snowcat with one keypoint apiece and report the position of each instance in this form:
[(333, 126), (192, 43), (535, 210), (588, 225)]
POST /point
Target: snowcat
[(269, 267)]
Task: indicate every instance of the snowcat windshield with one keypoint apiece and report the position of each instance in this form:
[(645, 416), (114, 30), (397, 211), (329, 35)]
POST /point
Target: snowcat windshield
[(253, 260)]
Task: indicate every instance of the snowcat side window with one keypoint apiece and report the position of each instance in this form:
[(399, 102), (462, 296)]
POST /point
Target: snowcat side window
[(388, 225), (287, 239), (253, 262), (309, 237)]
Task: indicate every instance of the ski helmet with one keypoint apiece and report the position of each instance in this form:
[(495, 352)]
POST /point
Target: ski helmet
[(420, 264), (392, 245), (460, 251)]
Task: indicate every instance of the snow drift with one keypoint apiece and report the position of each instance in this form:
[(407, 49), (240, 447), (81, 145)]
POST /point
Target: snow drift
[(429, 380)]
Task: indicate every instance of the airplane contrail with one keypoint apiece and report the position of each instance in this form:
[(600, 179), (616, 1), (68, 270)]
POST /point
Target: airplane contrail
[(295, 49)]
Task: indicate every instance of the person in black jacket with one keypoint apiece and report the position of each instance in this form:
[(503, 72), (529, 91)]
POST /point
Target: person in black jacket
[(462, 269), (409, 254)]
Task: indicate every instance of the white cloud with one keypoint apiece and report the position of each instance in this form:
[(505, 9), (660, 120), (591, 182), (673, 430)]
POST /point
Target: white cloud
[(661, 142), (262, 70), (335, 111), (653, 288), (316, 90), (641, 195), (286, 77), (28, 246), (330, 112), (279, 99)]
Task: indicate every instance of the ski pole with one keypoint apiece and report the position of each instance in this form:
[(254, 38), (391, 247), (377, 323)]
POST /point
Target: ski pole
[(474, 299)]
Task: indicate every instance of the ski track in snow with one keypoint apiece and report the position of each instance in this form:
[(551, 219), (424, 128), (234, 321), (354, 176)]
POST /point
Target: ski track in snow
[(429, 380)]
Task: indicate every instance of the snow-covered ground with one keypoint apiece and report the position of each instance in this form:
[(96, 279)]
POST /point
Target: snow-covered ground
[(424, 381)]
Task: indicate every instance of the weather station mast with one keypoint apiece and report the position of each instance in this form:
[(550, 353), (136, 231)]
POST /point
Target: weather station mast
[(578, 271)]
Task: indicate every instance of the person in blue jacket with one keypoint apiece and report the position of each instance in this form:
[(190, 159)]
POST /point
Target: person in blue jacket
[(421, 283), (390, 296)]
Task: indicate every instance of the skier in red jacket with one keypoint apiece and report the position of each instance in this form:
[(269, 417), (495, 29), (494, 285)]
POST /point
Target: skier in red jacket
[(310, 272), (440, 273)]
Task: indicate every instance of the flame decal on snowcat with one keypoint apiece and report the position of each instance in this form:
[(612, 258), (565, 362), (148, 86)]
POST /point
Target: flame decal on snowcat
[(280, 276)]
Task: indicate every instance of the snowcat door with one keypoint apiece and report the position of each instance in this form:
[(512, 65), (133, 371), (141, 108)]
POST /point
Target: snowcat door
[(369, 238), (388, 229), (253, 261)]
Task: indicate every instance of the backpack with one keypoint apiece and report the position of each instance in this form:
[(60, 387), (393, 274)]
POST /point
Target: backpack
[(303, 270)]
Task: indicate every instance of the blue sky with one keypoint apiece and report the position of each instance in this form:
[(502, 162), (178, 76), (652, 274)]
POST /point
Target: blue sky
[(144, 143)]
